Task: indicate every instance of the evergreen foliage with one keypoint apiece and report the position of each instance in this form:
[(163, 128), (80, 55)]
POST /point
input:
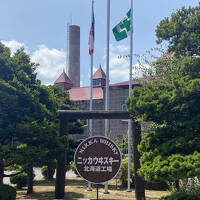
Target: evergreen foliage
[(29, 124), (170, 150), (48, 171), (73, 168), (123, 146), (181, 31), (123, 173), (20, 180), (7, 192), (181, 196)]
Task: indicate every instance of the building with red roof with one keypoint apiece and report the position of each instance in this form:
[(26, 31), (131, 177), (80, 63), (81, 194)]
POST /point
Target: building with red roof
[(70, 82), (63, 81), (118, 94)]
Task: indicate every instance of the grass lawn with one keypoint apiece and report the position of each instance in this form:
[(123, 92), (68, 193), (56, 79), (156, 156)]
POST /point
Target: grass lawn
[(76, 188)]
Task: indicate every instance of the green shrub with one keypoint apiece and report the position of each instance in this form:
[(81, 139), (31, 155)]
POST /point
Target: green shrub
[(190, 185), (73, 168), (67, 167), (44, 171), (48, 172), (13, 167), (123, 173), (181, 196), (21, 180), (7, 192), (48, 169)]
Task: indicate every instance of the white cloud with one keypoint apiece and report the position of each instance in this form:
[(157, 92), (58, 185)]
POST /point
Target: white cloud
[(15, 45), (87, 76), (51, 63), (119, 68)]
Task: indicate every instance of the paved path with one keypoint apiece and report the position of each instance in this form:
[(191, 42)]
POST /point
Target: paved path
[(38, 175)]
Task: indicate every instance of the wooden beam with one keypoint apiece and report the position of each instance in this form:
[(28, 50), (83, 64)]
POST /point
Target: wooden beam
[(61, 162), (94, 114)]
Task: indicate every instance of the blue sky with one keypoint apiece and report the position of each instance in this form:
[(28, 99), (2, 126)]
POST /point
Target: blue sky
[(41, 27)]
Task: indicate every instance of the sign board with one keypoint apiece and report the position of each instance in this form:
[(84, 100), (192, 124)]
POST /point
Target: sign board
[(97, 159)]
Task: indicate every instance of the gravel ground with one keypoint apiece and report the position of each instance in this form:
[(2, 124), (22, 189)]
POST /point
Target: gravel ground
[(38, 175)]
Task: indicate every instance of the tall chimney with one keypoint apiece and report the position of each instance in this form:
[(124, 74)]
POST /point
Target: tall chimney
[(74, 55)]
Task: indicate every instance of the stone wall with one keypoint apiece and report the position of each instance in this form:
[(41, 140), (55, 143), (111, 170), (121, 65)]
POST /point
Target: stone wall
[(117, 97), (98, 124)]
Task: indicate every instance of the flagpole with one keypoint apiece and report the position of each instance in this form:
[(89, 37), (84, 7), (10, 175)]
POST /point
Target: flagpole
[(130, 87), (107, 78), (107, 66), (91, 82), (67, 60), (91, 90), (91, 93), (91, 107)]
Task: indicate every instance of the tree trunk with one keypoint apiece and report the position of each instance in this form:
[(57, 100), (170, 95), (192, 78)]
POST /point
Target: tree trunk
[(50, 172), (60, 169), (30, 178), (1, 170), (60, 178), (139, 183), (177, 186)]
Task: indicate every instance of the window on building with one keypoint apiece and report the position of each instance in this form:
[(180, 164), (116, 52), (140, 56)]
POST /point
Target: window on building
[(61, 86), (96, 83), (124, 108)]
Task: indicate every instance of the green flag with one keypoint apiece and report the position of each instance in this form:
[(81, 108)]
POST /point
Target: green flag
[(122, 30)]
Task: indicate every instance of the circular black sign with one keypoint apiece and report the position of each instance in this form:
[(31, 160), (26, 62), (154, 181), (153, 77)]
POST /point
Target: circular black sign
[(97, 159)]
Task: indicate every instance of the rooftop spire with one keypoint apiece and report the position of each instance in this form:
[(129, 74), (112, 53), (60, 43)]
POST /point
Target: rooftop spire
[(99, 74), (64, 81)]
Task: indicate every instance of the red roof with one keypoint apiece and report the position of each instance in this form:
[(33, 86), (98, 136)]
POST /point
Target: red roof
[(99, 74), (125, 83), (83, 93), (63, 78)]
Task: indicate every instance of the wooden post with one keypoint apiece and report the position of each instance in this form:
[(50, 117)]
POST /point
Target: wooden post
[(139, 183), (30, 178), (60, 169), (1, 170)]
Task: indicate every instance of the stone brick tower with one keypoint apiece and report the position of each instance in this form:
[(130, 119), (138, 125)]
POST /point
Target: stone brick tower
[(73, 70), (99, 78)]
